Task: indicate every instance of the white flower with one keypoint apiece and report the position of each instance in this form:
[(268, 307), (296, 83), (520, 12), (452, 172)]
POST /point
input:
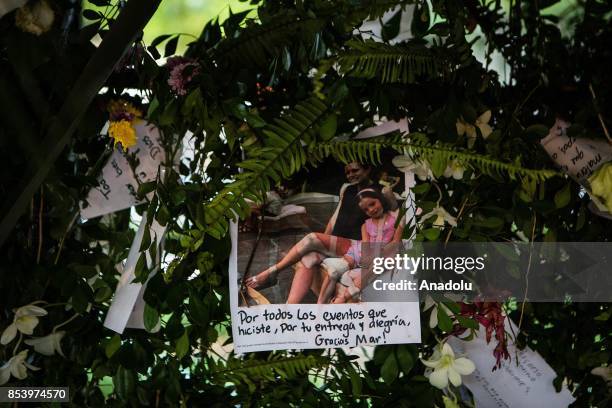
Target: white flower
[(455, 170), (603, 372), (447, 368), (17, 367), (441, 215), (433, 317), (35, 18), (419, 167), (25, 320), (49, 344), (482, 123)]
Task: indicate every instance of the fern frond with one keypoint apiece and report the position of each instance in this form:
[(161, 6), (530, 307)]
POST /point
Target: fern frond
[(392, 63), (369, 151), (260, 41), (276, 367), (281, 155)]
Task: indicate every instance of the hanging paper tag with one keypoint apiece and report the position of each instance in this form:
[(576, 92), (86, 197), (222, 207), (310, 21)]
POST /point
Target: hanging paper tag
[(526, 384), (128, 301), (578, 157), (384, 128), (117, 185)]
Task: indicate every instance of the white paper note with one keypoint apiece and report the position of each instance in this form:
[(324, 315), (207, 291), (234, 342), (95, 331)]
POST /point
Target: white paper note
[(527, 385), (127, 307), (117, 186)]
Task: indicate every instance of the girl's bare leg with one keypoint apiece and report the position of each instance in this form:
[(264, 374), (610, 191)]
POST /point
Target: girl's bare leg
[(313, 242), (327, 290), (301, 283)]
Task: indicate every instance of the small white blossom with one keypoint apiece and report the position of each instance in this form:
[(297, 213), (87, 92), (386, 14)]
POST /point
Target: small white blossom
[(35, 18), (447, 368), (455, 170), (25, 320), (442, 217), (482, 123), (419, 167), (49, 344), (605, 373), (433, 317), (17, 367)]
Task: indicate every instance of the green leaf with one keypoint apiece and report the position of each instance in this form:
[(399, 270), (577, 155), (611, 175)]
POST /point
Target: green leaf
[(170, 48), (563, 196), (182, 345), (389, 370), (404, 356), (92, 14), (112, 346), (146, 239), (431, 234), (444, 322), (124, 382), (151, 318), (391, 28), (490, 222), (467, 322), (328, 127)]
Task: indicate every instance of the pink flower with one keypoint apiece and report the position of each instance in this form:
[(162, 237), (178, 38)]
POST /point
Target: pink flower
[(182, 72)]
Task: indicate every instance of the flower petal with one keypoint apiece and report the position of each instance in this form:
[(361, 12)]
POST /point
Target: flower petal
[(30, 310), (484, 118), (5, 374), (460, 128), (433, 363), (26, 324), (439, 378), (485, 129), (8, 334), (448, 350), (464, 366), (43, 345), (470, 130), (433, 318), (454, 377)]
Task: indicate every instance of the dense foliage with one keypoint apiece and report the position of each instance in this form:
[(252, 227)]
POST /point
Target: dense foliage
[(265, 94)]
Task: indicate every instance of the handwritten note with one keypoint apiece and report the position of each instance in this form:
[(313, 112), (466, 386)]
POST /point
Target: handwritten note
[(117, 183), (527, 384), (578, 157), (302, 326)]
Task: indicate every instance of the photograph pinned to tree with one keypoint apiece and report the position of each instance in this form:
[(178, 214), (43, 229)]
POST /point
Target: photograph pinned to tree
[(298, 277)]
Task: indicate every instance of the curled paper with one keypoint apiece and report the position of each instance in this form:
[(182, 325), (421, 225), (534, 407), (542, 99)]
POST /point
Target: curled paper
[(578, 157), (127, 307)]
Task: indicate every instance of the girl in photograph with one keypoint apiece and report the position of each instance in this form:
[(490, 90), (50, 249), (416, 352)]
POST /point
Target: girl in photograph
[(379, 227)]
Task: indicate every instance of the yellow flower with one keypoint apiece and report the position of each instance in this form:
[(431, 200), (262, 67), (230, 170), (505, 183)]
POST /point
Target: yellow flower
[(119, 107), (123, 132), (482, 123), (601, 187)]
